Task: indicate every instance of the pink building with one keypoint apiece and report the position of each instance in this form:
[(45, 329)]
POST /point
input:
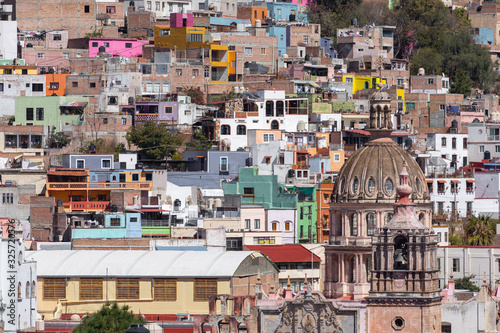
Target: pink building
[(117, 47)]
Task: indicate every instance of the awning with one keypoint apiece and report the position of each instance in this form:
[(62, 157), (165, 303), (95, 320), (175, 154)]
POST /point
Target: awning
[(314, 84), (74, 105), (470, 181), (442, 181), (267, 156), (429, 181), (455, 181), (357, 131), (306, 190)]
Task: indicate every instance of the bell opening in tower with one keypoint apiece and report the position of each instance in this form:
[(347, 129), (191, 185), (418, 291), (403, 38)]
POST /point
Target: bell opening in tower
[(400, 253)]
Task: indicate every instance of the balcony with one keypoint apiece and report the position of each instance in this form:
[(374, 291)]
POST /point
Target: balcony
[(86, 205), (99, 186)]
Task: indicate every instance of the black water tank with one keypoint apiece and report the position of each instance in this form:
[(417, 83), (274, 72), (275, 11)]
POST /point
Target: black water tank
[(454, 124), (291, 173), (92, 147), (114, 208)]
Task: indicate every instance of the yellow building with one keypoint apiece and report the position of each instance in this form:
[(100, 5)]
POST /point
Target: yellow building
[(150, 282), (181, 38), (18, 69), (363, 82)]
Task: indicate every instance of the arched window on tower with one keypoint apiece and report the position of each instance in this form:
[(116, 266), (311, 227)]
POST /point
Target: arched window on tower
[(353, 270), (400, 253), (354, 224), (371, 224)]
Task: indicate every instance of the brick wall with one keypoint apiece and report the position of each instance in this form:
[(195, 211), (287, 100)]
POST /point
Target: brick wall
[(41, 217), (111, 244)]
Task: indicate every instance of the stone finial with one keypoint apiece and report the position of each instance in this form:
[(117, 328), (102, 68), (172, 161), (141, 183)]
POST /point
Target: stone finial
[(258, 276), (404, 189), (484, 279), (288, 283), (451, 275), (305, 280)]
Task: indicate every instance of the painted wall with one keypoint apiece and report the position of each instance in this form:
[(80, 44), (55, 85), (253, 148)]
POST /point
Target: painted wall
[(117, 47), (283, 216)]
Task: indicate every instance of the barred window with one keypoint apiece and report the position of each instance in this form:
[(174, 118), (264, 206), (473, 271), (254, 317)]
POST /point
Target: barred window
[(127, 288), (54, 288), (165, 289), (204, 288), (91, 289)]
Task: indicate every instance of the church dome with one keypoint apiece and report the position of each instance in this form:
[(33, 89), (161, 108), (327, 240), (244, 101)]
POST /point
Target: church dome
[(372, 173)]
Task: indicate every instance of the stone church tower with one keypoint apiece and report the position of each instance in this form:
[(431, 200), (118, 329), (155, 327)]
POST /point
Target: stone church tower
[(404, 289)]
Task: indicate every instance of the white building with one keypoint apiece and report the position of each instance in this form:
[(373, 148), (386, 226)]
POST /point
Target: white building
[(13, 85), (18, 310), (450, 147), (487, 189), (452, 195), (483, 141), (272, 111), (161, 9), (8, 40)]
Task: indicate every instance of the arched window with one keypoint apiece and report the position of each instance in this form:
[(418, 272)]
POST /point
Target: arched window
[(225, 130), (388, 217), (368, 268), (269, 109), (275, 124), (33, 289), (353, 270), (354, 224), (241, 130), (338, 224), (280, 109), (400, 253), (19, 291), (28, 291), (275, 226), (371, 224)]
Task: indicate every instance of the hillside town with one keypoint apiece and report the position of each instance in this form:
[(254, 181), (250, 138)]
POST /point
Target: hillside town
[(236, 166)]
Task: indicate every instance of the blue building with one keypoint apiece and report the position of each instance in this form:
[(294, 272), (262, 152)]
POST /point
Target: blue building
[(284, 11), (483, 36), (280, 33), (107, 225)]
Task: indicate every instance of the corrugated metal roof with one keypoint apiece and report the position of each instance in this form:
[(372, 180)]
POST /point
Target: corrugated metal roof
[(70, 263), (286, 253)]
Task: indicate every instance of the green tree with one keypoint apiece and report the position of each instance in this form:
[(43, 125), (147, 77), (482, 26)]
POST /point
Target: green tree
[(461, 83), (154, 140), (58, 139), (198, 142), (111, 318), (195, 93), (480, 230), (428, 59), (466, 283)]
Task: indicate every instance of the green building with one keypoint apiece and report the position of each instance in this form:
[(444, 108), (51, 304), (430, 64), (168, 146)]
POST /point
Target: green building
[(55, 111), (307, 212)]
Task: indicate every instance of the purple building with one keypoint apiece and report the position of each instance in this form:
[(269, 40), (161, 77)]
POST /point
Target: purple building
[(117, 47), (163, 112)]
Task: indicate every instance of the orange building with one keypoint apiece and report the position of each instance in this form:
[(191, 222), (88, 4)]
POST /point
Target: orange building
[(56, 84), (323, 193)]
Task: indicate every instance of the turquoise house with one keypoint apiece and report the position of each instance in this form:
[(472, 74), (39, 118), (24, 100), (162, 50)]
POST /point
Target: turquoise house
[(116, 225)]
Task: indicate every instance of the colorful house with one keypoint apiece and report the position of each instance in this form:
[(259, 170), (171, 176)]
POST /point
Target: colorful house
[(18, 69), (149, 282), (56, 84), (323, 193), (117, 47), (156, 111), (108, 225), (306, 214)]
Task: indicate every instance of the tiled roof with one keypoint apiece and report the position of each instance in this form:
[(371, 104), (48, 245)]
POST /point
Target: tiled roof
[(285, 253)]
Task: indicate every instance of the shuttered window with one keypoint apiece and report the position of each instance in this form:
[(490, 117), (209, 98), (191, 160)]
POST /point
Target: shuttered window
[(54, 288), (165, 289), (127, 288), (204, 288), (90, 289)]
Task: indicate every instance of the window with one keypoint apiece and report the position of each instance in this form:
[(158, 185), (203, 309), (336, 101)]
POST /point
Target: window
[(206, 72), (465, 143), (8, 198), (79, 55), (248, 191), (165, 289), (306, 39), (195, 38), (37, 87), (127, 289), (148, 5), (410, 106), (263, 51), (248, 52), (274, 226), (288, 226), (278, 12), (106, 164), (336, 157), (223, 164), (168, 109), (40, 55), (481, 149), (430, 81), (354, 224), (95, 44), (54, 288), (19, 291), (469, 187), (80, 164), (263, 240), (204, 288), (241, 130), (54, 85), (164, 32), (371, 224), (65, 55), (57, 36), (29, 113), (178, 72), (87, 9), (112, 100), (443, 142), (124, 121), (441, 107), (256, 224), (149, 177), (157, 5), (247, 223), (1, 86), (135, 177), (128, 45), (469, 207), (74, 84), (497, 149), (225, 130), (104, 121), (268, 137), (114, 222), (90, 289), (28, 291), (456, 265), (195, 72), (39, 113)]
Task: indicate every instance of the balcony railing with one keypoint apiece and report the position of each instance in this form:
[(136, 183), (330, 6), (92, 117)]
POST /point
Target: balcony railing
[(99, 186), (87, 205), (155, 223)]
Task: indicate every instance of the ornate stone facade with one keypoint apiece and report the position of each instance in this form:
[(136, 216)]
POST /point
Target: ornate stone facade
[(404, 294)]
